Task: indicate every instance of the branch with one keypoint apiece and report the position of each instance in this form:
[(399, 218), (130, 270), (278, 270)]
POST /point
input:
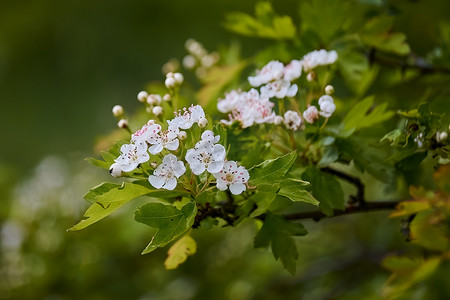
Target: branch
[(353, 180)]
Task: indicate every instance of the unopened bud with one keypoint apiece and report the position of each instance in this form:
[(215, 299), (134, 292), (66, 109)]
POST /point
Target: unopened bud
[(153, 164), (154, 99), (167, 97), (179, 78), (117, 110), (189, 62), (311, 76), (443, 136), (170, 82), (142, 96), (278, 120), (115, 170), (122, 123), (182, 135), (157, 110), (202, 122), (329, 90)]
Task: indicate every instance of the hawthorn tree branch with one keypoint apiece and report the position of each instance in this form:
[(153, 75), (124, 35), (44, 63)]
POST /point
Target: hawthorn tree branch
[(353, 180)]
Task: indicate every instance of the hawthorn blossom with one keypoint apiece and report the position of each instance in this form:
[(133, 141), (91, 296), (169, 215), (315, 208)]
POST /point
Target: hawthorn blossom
[(232, 177), (311, 114), (293, 70), (186, 119), (167, 139), (272, 71), (327, 106), (292, 120), (318, 58), (148, 132), (206, 155), (166, 174), (279, 89), (131, 156), (230, 102)]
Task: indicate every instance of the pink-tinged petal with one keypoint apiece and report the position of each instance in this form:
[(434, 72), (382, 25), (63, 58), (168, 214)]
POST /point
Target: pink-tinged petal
[(179, 169), (237, 188), (243, 175), (173, 145), (215, 167), (218, 152), (156, 181), (171, 183), (232, 166), (221, 185), (129, 167), (155, 149)]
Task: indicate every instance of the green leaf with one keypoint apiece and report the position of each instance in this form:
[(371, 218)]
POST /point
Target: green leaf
[(272, 170), (363, 115), (427, 235), (278, 232), (98, 163), (393, 137), (179, 252), (263, 198), (170, 222), (106, 198), (295, 190), (326, 189)]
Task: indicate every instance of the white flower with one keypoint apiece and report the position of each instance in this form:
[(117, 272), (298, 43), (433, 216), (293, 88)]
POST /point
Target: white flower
[(272, 71), (147, 133), (318, 58), (131, 156), (293, 70), (166, 174), (206, 155), (167, 139), (292, 120), (279, 89), (327, 106), (233, 177), (186, 119), (230, 102), (311, 114)]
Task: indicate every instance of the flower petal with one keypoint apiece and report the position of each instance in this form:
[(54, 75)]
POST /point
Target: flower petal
[(156, 181), (155, 149), (171, 183), (215, 167), (173, 145), (237, 188), (221, 184)]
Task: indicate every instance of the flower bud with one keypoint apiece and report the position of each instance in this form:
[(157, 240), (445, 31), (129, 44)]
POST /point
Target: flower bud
[(329, 90), (189, 62), (311, 76), (179, 78), (202, 122), (115, 170), (167, 97), (157, 110), (443, 136), (122, 123), (182, 135), (154, 99), (142, 96), (278, 120), (153, 164), (170, 82), (169, 75), (117, 110)]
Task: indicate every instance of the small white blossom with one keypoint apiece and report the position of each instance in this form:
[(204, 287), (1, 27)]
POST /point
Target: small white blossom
[(123, 123), (230, 102), (278, 120), (157, 110), (329, 90), (147, 133), (166, 174), (292, 120), (131, 156), (202, 122), (142, 96), (311, 114), (117, 110), (327, 106), (115, 170), (272, 71), (318, 58), (187, 118), (279, 89), (167, 139), (233, 177), (206, 155), (293, 70)]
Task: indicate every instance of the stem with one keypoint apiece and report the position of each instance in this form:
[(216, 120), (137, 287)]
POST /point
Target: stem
[(353, 180)]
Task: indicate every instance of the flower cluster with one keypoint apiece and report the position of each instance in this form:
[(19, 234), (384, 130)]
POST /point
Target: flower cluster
[(198, 58), (275, 81), (207, 154)]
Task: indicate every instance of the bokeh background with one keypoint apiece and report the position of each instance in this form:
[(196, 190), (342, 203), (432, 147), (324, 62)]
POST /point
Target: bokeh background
[(63, 66)]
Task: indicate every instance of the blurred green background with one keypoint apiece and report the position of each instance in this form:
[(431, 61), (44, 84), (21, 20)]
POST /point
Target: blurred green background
[(63, 66)]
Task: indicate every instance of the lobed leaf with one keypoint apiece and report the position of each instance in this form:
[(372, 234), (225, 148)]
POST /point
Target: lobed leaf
[(295, 190), (179, 252), (272, 170)]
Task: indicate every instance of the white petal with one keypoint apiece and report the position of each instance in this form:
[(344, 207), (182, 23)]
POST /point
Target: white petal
[(179, 169), (292, 91), (237, 188), (129, 167), (155, 149), (221, 185), (215, 167), (231, 166), (144, 157), (218, 152), (173, 145), (171, 183), (156, 181), (197, 168), (243, 174)]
